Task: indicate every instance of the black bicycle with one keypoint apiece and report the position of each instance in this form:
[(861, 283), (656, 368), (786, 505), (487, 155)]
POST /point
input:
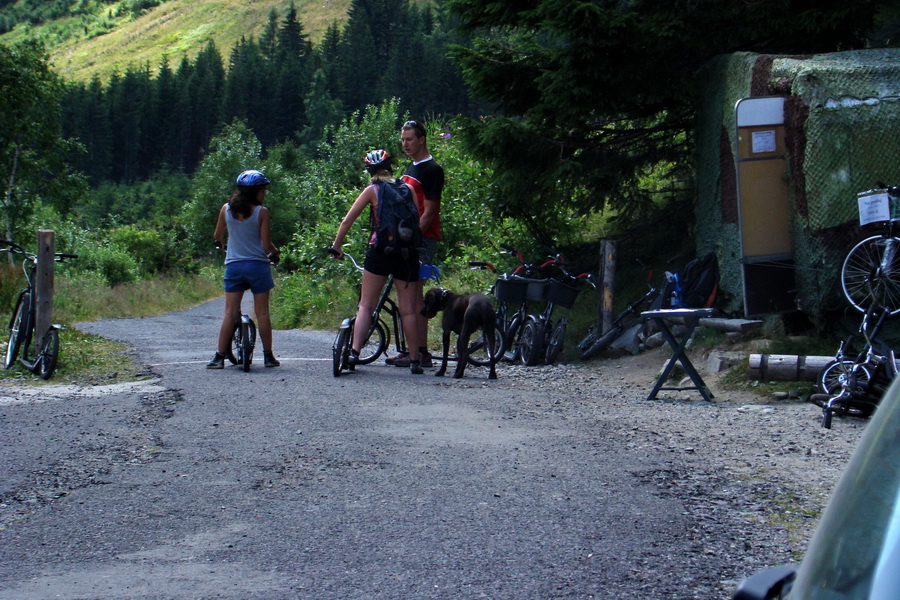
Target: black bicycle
[(512, 292), (542, 339), (597, 341), (379, 334), (854, 384), (23, 321), (243, 341)]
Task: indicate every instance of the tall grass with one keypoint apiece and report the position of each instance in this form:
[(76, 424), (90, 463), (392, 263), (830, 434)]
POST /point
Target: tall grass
[(84, 298)]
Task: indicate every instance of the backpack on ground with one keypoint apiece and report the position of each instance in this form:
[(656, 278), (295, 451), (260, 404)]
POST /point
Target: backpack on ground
[(700, 282), (397, 221)]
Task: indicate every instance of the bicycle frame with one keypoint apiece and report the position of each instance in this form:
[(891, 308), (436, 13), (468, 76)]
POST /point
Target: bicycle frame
[(384, 304), (387, 304), (874, 364)]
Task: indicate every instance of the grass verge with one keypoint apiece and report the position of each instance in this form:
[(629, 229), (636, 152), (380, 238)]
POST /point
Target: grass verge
[(90, 359)]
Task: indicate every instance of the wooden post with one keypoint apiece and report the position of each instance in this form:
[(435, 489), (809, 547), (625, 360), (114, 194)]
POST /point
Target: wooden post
[(608, 283), (43, 283)]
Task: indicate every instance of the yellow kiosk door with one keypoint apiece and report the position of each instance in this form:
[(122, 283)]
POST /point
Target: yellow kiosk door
[(764, 207)]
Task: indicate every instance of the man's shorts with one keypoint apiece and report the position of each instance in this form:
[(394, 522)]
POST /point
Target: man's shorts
[(404, 269), (253, 275)]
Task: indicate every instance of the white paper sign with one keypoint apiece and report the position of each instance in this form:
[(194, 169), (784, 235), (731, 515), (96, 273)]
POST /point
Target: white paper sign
[(874, 207), (763, 141)]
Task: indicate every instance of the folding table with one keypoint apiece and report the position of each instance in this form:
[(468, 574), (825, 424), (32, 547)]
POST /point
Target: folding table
[(690, 317)]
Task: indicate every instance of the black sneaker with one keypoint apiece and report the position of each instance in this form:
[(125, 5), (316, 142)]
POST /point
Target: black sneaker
[(269, 359), (217, 362), (353, 358), (415, 368), (425, 359)]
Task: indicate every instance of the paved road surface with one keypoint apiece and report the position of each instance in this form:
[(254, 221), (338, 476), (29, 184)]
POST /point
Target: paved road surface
[(288, 483)]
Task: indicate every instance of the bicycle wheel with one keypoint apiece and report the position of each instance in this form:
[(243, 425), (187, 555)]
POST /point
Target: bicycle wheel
[(47, 354), (375, 344), (18, 327), (871, 274), (531, 346), (511, 339), (237, 346), (480, 353), (603, 342), (248, 341), (836, 373), (339, 350), (556, 342)]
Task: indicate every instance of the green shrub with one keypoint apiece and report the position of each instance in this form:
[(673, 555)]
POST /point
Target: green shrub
[(114, 264), (148, 247)]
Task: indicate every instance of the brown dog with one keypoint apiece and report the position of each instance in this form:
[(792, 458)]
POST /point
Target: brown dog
[(463, 315)]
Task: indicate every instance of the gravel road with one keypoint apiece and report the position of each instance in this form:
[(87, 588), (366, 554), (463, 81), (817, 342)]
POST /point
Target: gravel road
[(551, 482)]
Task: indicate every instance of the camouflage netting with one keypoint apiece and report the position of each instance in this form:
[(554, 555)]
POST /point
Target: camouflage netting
[(842, 128)]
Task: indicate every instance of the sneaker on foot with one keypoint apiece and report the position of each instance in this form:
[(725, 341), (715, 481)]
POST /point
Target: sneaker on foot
[(217, 362), (425, 359), (353, 358), (415, 368), (392, 360), (401, 361), (269, 359)]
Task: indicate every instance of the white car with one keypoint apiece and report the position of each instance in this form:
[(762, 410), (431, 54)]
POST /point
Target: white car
[(855, 551)]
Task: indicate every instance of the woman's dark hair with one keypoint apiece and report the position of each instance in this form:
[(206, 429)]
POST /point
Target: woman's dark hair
[(243, 200)]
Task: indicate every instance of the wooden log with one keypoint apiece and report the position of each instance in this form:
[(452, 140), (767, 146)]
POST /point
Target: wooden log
[(787, 367), (733, 325), (730, 325)]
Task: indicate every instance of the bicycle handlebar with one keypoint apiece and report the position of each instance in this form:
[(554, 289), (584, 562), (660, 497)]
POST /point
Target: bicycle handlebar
[(17, 249), (480, 264), (341, 255)]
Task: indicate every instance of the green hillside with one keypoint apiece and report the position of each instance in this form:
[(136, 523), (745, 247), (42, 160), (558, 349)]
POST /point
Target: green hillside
[(112, 38)]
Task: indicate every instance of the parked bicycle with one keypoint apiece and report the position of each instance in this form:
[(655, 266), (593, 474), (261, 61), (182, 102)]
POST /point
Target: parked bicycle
[(23, 321), (598, 341), (542, 339), (511, 291), (870, 274), (379, 334), (854, 386)]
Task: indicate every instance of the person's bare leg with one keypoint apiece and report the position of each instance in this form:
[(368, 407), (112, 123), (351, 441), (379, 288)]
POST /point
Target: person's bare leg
[(421, 321), (371, 288), (232, 314), (406, 298), (263, 319)]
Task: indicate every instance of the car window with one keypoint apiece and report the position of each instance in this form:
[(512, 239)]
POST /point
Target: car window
[(855, 552)]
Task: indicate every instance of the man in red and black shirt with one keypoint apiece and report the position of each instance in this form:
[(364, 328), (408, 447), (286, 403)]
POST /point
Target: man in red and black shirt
[(427, 179)]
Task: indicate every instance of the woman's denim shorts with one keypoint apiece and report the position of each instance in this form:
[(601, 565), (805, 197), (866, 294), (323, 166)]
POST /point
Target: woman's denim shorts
[(253, 275)]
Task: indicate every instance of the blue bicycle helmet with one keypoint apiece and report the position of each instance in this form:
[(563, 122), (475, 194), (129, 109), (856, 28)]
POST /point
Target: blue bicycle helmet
[(252, 178)]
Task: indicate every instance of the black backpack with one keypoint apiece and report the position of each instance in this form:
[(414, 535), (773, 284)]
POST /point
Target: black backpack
[(700, 282), (397, 222)]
